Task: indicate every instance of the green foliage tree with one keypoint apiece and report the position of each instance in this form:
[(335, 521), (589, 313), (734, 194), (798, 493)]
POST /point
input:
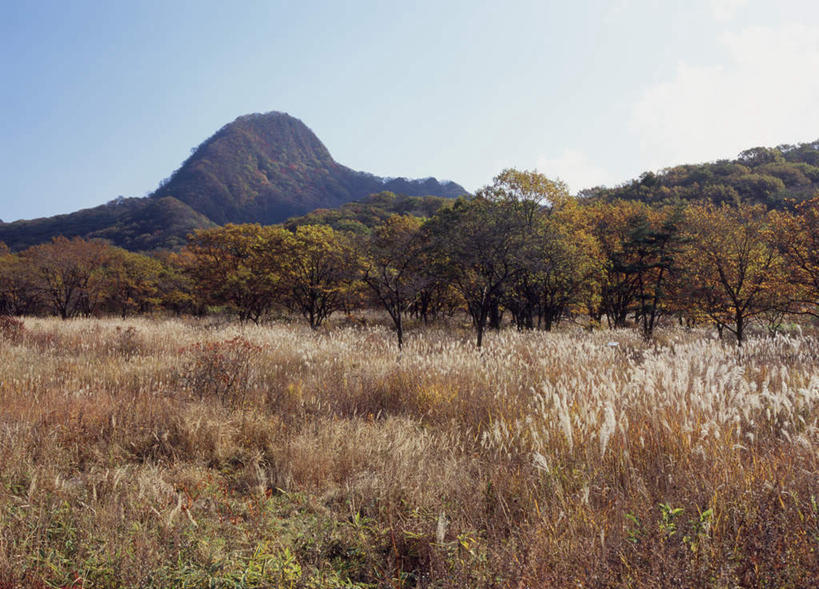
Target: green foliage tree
[(761, 175), (655, 241), (757, 156), (619, 282)]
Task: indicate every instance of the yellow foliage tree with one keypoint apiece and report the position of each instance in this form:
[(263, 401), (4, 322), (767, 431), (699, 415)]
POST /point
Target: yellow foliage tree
[(797, 236), (238, 265), (732, 270), (319, 269), (131, 281)]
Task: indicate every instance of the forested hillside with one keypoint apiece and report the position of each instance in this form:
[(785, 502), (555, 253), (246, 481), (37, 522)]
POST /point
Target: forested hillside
[(138, 224), (362, 215), (764, 175)]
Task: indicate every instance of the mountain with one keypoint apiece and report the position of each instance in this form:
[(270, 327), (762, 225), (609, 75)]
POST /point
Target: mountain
[(264, 168), (766, 175), (261, 168)]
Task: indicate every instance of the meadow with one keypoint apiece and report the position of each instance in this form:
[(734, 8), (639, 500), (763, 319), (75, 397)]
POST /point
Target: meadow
[(185, 453)]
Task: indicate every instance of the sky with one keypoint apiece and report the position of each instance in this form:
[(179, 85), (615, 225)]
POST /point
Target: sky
[(102, 99)]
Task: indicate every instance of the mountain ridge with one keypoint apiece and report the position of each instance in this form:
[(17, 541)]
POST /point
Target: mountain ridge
[(260, 168)]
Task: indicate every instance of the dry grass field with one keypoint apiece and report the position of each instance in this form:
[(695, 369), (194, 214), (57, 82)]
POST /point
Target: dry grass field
[(192, 454)]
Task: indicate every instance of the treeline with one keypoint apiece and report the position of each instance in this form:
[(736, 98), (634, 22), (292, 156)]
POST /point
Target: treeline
[(521, 249)]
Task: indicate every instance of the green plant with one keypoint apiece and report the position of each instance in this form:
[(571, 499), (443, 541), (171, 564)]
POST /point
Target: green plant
[(634, 533), (668, 517), (700, 529)]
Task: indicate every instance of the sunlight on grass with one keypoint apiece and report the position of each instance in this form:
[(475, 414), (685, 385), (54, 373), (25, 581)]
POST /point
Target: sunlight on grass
[(175, 453)]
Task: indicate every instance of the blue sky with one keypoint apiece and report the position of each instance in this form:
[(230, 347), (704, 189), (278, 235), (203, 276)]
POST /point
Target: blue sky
[(107, 98)]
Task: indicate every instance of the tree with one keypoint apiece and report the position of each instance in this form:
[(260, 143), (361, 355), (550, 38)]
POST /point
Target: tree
[(568, 262), (639, 243), (547, 261), (18, 295), (67, 273), (435, 297), (757, 156), (557, 260), (528, 187), (797, 236), (618, 282), (391, 266), (131, 281), (477, 244), (238, 265), (655, 241), (318, 269), (731, 269), (759, 188), (176, 289)]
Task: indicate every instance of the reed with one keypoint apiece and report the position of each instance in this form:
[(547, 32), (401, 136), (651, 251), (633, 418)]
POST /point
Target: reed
[(156, 453)]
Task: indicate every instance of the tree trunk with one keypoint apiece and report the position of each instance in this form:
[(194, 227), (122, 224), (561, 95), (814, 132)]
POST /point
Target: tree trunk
[(740, 319), (495, 315)]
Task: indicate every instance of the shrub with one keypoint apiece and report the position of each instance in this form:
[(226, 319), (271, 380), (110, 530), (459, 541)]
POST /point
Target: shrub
[(11, 329), (222, 370), (126, 343)]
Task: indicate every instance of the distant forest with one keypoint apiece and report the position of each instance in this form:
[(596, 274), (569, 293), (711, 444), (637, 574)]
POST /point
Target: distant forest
[(770, 176), (730, 244)]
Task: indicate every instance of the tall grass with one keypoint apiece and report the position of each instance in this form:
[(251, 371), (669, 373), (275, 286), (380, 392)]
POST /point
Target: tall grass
[(170, 453)]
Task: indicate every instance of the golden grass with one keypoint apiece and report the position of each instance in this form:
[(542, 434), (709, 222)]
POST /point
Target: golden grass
[(173, 453)]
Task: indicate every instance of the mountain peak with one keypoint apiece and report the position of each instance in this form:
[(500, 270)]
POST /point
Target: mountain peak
[(266, 167), (280, 132), (259, 168)]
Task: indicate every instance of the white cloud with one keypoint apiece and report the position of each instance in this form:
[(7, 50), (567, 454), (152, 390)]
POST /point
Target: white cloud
[(575, 168), (725, 9), (766, 93)]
